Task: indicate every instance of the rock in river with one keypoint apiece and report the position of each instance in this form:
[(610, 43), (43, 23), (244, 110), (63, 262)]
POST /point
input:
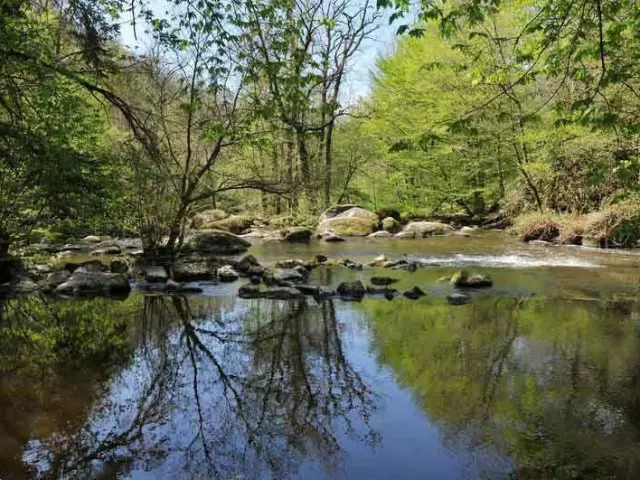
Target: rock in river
[(424, 229), (414, 293), (351, 290), (464, 279), (226, 273), (217, 242), (297, 235), (383, 280), (458, 298), (95, 283)]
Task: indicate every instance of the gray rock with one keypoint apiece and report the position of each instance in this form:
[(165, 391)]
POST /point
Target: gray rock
[(95, 283), (424, 229), (390, 224), (333, 238), (86, 267), (298, 274), (292, 263), (92, 239), (119, 266), (249, 266), (414, 293), (308, 289), (217, 242), (156, 274), (56, 278), (380, 234), (297, 235), (195, 270), (458, 298), (226, 273), (25, 286), (71, 248), (463, 279), (351, 290)]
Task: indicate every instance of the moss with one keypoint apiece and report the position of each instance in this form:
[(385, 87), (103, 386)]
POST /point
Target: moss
[(350, 226)]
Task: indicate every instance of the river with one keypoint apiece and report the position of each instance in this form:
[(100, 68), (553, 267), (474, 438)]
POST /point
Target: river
[(537, 377)]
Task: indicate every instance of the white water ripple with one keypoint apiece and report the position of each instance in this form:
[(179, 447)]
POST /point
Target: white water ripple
[(507, 260)]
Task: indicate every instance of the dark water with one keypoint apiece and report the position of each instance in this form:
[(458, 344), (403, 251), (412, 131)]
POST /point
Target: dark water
[(539, 377)]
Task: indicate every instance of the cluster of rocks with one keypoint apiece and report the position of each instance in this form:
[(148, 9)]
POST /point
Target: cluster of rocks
[(334, 224)]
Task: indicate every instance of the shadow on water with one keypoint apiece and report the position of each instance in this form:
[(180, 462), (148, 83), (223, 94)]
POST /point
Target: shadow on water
[(217, 387)]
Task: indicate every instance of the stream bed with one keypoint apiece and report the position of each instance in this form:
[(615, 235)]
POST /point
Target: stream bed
[(537, 377)]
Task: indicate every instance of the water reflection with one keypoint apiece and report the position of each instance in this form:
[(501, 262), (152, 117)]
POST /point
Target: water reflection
[(553, 386), (218, 389), (214, 387)]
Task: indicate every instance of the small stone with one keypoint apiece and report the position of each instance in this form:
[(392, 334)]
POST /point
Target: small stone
[(92, 239), (414, 293), (333, 238), (226, 273), (458, 298), (321, 258)]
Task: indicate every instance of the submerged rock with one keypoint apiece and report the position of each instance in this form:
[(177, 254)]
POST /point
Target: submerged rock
[(414, 293), (383, 280), (458, 298), (464, 279), (351, 290), (95, 283), (389, 293), (352, 265), (291, 263), (297, 274)]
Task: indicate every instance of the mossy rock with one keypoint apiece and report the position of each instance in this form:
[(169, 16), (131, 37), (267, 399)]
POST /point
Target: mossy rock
[(217, 242), (390, 224), (348, 226)]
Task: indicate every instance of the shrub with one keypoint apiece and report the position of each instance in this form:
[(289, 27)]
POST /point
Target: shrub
[(617, 225)]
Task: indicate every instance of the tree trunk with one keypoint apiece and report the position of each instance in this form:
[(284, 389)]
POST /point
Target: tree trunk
[(328, 163)]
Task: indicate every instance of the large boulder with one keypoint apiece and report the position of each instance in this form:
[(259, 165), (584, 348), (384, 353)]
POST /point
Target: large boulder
[(297, 235), (234, 224), (207, 216), (424, 229), (95, 283), (187, 270), (352, 221), (217, 242), (346, 226), (336, 210)]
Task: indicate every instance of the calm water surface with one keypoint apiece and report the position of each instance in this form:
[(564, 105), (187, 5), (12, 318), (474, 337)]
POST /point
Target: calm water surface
[(538, 377)]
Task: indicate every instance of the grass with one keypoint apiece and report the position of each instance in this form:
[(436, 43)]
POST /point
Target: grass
[(615, 226)]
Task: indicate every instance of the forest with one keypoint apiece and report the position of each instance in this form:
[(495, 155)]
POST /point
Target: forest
[(521, 114)]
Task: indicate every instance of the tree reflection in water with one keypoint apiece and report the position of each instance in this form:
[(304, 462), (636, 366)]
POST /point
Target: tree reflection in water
[(219, 389)]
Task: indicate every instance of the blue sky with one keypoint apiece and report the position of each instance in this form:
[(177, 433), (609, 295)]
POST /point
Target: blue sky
[(359, 76)]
